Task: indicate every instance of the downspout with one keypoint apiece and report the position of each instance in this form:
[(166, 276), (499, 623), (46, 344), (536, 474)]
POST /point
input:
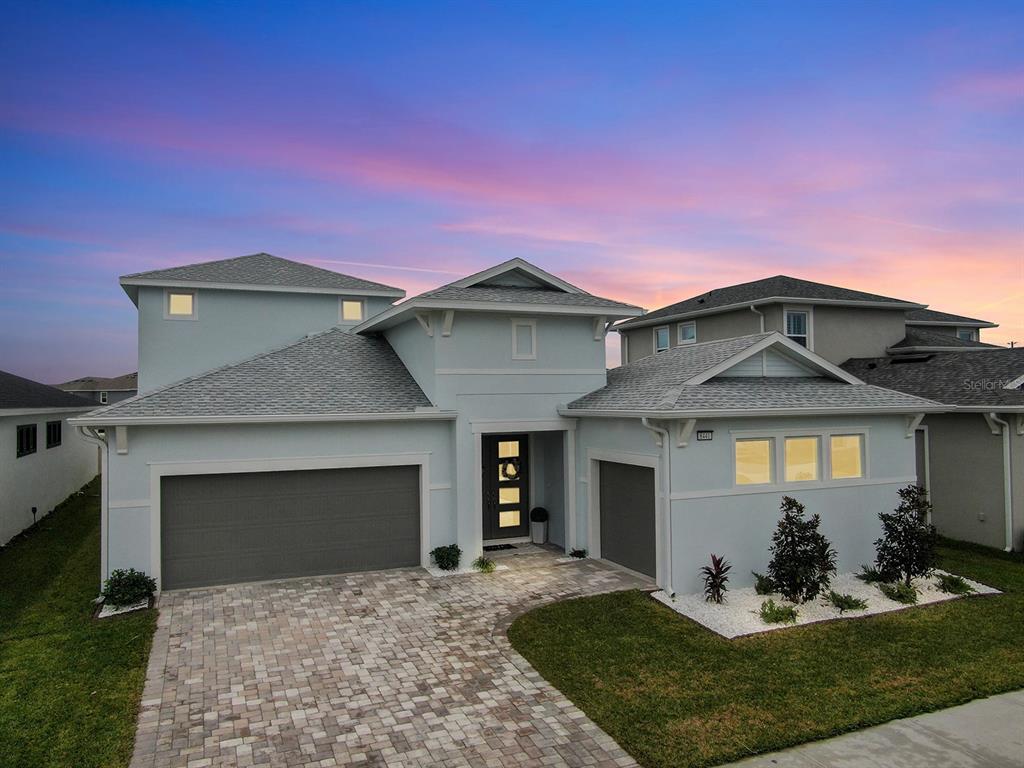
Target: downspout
[(666, 495), (1007, 479), (90, 435), (760, 314)]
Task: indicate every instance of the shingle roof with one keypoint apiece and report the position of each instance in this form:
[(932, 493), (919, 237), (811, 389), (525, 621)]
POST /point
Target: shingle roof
[(759, 290), (262, 269), (953, 378), (18, 392), (922, 337), (127, 382), (331, 373), (657, 383), (517, 295), (934, 316)]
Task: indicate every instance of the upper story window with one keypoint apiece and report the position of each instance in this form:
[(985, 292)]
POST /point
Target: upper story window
[(179, 304), (801, 459), (53, 434), (661, 339), (967, 334), (26, 439), (798, 326), (103, 398), (352, 311), (688, 333), (524, 339)]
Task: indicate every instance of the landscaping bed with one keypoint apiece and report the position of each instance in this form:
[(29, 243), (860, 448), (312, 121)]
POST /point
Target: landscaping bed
[(69, 683), (674, 694)]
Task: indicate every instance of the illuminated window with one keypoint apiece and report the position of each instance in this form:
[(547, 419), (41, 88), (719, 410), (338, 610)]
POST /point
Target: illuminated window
[(801, 459), (508, 449), (351, 311), (508, 495), (754, 461), (847, 456), (661, 338), (508, 518), (687, 333), (181, 305)]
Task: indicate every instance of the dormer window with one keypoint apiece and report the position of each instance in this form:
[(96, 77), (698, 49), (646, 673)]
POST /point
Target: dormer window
[(967, 334), (179, 304), (351, 311), (798, 326)]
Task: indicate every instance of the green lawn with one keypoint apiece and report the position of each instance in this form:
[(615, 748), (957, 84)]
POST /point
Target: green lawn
[(69, 685), (672, 693)]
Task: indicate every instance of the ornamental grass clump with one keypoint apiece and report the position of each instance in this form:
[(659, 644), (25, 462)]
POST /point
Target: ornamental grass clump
[(773, 613), (716, 577), (846, 602), (763, 585), (907, 547), (953, 585), (803, 560), (900, 592), (484, 564)]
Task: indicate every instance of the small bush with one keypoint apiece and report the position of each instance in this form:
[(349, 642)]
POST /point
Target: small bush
[(716, 576), (900, 592), (953, 585), (773, 613), (578, 553), (763, 585), (846, 602), (538, 515), (803, 560), (127, 587), (872, 575), (484, 564), (447, 558), (907, 546)]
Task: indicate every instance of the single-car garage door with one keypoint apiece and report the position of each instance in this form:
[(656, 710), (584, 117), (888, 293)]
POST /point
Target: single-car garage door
[(221, 529), (627, 516)]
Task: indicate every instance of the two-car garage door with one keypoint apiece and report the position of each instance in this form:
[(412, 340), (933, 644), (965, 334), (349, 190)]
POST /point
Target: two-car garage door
[(225, 528)]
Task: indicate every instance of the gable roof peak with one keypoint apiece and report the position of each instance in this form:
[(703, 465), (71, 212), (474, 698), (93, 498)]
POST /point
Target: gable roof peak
[(530, 276)]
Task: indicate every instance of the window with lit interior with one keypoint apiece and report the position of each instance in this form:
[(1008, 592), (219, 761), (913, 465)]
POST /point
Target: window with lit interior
[(847, 455), (351, 311), (801, 457), (754, 461), (181, 305)]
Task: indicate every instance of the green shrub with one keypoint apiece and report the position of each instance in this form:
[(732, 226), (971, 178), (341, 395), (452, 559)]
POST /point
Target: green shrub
[(716, 576), (763, 585), (447, 558), (127, 587), (907, 546), (578, 553), (872, 575), (773, 613), (846, 602), (803, 560), (900, 592), (484, 564), (953, 585)]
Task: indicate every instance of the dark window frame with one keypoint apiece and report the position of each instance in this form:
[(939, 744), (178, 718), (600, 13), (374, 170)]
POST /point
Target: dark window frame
[(27, 442), (54, 440)]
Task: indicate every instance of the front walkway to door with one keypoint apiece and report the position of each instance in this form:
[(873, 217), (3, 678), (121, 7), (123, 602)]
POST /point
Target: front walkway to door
[(392, 668)]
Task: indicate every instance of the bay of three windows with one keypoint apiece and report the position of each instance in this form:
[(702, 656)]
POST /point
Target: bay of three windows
[(803, 459)]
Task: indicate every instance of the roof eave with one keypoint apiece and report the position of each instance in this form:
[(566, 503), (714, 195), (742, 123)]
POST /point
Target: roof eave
[(955, 323), (132, 282), (920, 350), (111, 419), (751, 412)]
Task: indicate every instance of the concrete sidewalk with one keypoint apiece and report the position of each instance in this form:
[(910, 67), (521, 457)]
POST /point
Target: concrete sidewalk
[(988, 733)]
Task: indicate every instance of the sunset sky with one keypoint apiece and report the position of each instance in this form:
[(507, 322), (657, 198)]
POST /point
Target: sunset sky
[(644, 151)]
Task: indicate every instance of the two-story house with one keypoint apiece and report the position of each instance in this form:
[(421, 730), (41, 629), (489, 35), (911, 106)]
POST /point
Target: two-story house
[(295, 421), (970, 458), (101, 389)]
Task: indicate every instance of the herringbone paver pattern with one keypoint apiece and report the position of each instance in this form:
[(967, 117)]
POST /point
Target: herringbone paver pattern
[(393, 668)]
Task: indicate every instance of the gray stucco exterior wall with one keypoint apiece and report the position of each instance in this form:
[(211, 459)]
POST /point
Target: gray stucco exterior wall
[(1017, 463), (844, 332)]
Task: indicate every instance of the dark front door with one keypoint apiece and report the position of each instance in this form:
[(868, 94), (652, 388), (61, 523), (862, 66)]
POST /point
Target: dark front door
[(506, 486)]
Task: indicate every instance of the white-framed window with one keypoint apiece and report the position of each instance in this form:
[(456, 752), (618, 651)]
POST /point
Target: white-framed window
[(524, 339), (754, 461), (351, 310), (661, 338), (180, 304), (103, 398), (967, 334), (802, 458), (798, 326), (688, 333), (846, 456)]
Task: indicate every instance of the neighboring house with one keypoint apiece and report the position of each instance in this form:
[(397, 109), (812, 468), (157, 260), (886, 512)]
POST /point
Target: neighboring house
[(42, 460), (965, 329), (103, 391), (970, 458), (343, 444)]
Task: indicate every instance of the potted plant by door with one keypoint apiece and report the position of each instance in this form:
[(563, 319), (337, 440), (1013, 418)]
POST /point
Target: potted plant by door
[(538, 525)]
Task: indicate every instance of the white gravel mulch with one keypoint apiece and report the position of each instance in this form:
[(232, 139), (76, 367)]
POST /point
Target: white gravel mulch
[(740, 614)]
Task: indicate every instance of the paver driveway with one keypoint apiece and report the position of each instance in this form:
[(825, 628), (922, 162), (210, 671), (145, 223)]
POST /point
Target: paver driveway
[(393, 668)]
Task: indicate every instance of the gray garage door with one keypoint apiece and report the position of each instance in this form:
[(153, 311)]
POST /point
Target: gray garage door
[(221, 529), (627, 516)]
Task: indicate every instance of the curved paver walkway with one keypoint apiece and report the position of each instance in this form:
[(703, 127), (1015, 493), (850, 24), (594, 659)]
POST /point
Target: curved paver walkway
[(393, 668)]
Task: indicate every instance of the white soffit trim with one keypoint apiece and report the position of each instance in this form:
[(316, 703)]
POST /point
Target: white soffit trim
[(109, 419), (758, 412), (162, 283), (4, 412), (513, 265), (785, 346), (955, 324)]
